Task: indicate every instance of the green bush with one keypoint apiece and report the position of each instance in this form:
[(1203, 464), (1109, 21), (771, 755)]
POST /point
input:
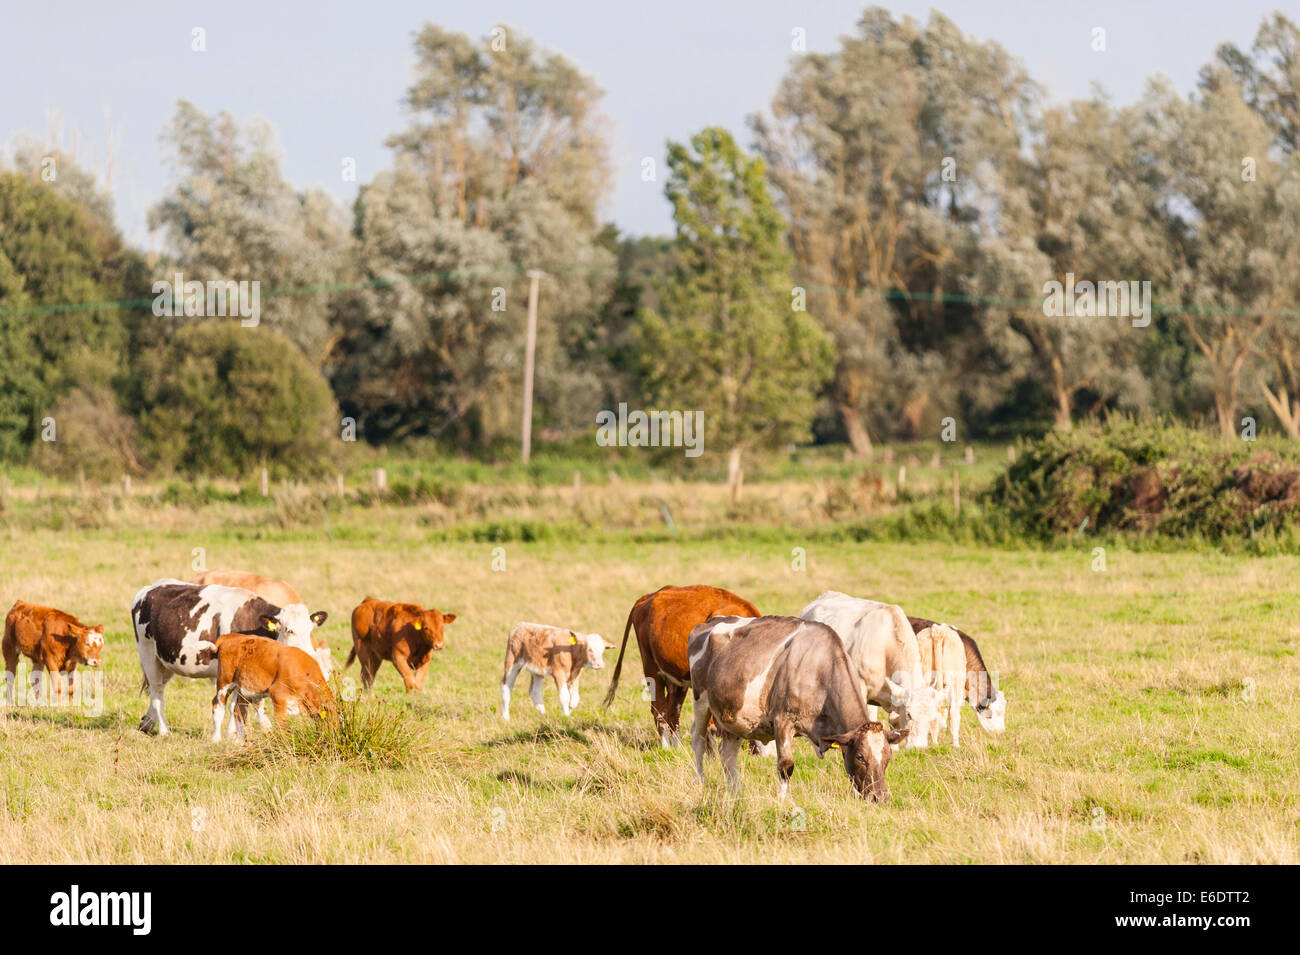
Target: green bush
[(1152, 478), (219, 398)]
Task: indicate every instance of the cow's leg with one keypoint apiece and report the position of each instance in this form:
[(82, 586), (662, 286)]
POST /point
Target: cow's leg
[(562, 689), (263, 721), (954, 715), (10, 648), (659, 706), (508, 685), (369, 666), (673, 711), (238, 715), (784, 740), (419, 675), (155, 677), (218, 712), (700, 742), (36, 685), (730, 760), (535, 692), (404, 668), (573, 692)]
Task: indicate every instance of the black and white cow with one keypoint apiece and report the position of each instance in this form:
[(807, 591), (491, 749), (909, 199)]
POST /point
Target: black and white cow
[(176, 622)]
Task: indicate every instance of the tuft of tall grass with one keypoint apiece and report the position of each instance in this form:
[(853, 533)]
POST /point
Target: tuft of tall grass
[(365, 733)]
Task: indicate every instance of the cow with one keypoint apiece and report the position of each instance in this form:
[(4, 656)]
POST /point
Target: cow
[(53, 640), (251, 668), (550, 651), (882, 646), (174, 618), (403, 634), (663, 621), (772, 678), (273, 591), (988, 702), (943, 659)]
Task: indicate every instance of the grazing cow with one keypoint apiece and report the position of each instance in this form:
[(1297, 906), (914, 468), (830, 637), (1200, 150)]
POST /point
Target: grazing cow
[(663, 622), (943, 659), (882, 646), (53, 640), (251, 668), (773, 678), (403, 634), (988, 702), (273, 591), (550, 651), (174, 618)]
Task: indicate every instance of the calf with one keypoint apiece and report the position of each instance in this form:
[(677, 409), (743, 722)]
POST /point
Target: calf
[(943, 659), (53, 640), (663, 620), (988, 702), (251, 668), (550, 651), (882, 645), (403, 634), (772, 678), (176, 621), (276, 592)]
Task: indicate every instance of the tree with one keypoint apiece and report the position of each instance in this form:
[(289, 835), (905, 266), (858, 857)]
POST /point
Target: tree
[(501, 170), (58, 283), (1058, 216), (221, 398), (231, 216), (728, 341), (881, 154)]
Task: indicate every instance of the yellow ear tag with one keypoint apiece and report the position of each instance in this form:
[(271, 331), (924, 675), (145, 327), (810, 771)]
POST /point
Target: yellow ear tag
[(418, 625), (270, 625), (835, 746), (572, 638)]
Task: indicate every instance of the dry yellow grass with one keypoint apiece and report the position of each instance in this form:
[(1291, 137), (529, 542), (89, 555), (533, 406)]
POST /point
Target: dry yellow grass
[(1153, 711)]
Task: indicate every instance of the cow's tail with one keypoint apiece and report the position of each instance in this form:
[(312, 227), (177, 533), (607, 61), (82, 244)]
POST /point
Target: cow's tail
[(352, 655), (618, 667)]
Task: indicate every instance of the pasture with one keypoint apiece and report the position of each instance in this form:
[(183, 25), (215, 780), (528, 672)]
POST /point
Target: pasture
[(1153, 712)]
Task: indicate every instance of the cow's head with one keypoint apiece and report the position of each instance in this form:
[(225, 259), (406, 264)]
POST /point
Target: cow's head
[(86, 644), (992, 714), (293, 626), (430, 623), (596, 646), (866, 755)]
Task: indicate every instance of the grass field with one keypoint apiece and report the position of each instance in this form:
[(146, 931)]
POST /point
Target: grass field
[(1153, 710)]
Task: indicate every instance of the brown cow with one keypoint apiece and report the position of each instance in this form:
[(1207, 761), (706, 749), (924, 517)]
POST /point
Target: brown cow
[(53, 640), (250, 668), (403, 634), (272, 591), (664, 621)]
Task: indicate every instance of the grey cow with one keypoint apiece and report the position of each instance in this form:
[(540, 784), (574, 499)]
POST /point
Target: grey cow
[(772, 678)]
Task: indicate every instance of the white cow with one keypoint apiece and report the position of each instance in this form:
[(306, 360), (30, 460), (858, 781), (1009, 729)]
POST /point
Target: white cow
[(883, 648)]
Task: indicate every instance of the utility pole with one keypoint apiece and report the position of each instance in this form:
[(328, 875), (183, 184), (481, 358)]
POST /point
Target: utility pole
[(530, 350)]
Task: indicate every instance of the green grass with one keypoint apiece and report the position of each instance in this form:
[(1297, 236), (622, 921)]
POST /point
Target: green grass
[(1162, 691)]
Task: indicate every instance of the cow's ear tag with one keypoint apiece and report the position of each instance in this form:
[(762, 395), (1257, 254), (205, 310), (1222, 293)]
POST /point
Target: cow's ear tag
[(270, 625), (835, 746), (418, 625), (572, 638)]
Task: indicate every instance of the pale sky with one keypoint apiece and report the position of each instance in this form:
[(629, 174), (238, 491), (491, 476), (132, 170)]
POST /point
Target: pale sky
[(330, 76)]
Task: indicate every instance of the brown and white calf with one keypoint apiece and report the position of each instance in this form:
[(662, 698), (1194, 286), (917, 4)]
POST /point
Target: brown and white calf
[(550, 651), (988, 702), (252, 668), (53, 640), (772, 678)]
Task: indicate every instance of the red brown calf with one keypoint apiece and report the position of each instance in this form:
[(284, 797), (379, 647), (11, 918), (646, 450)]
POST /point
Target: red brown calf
[(663, 621), (403, 634), (251, 668), (53, 640)]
